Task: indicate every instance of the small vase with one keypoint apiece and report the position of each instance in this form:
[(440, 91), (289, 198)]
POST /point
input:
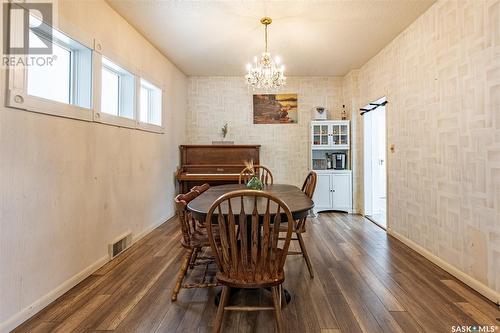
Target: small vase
[(255, 184)]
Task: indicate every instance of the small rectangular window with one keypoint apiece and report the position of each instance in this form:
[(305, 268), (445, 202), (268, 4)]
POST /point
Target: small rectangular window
[(150, 104), (60, 77), (68, 78), (117, 90)]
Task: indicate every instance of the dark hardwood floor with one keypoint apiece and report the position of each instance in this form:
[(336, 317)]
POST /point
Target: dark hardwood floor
[(364, 281)]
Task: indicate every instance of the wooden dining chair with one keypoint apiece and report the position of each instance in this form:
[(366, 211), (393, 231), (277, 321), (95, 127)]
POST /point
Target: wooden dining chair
[(254, 259), (194, 239), (300, 225), (263, 173), (201, 188)]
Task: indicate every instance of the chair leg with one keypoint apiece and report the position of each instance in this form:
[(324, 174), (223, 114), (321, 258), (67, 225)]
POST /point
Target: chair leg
[(220, 310), (304, 253), (194, 257), (182, 274), (277, 308)]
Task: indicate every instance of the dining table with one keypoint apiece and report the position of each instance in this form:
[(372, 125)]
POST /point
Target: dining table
[(297, 201)]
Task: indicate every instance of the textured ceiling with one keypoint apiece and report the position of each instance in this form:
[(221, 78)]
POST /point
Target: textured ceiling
[(313, 38)]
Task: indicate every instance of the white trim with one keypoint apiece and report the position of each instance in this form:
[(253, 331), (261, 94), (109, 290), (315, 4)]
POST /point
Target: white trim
[(147, 126), (18, 99), (48, 298), (109, 119), (144, 125), (103, 117), (467, 279), (116, 58), (26, 313), (151, 228), (150, 128)]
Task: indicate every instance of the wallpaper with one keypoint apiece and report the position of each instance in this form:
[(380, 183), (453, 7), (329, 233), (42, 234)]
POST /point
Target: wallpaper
[(285, 147), (441, 77), (442, 80)]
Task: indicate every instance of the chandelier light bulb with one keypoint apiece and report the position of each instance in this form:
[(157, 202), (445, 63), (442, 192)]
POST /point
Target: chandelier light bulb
[(266, 71)]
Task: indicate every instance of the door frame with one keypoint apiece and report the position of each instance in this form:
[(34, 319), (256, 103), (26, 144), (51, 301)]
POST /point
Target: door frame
[(368, 190)]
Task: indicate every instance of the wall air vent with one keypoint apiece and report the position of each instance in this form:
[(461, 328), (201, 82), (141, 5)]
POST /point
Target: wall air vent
[(119, 245)]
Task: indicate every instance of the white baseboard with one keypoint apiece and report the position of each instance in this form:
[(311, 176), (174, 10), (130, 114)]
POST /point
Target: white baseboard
[(467, 279), (48, 298), (151, 228), (45, 300)]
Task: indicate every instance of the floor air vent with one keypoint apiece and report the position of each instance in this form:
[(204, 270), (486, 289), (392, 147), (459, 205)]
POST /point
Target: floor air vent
[(119, 245)]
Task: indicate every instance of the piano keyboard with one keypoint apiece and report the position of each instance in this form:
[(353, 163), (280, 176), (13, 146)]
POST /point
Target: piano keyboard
[(211, 174)]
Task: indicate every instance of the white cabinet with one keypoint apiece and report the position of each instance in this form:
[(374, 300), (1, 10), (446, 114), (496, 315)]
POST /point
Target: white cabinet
[(330, 158), (333, 191), (330, 134), (341, 191), (322, 195)]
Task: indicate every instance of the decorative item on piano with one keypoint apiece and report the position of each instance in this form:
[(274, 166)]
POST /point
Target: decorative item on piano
[(224, 131), (254, 183)]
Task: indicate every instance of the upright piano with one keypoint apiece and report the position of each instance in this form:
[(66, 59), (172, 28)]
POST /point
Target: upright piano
[(213, 164)]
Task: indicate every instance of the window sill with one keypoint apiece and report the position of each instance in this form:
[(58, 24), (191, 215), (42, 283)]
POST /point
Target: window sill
[(17, 100), (104, 118), (150, 128), (57, 109)]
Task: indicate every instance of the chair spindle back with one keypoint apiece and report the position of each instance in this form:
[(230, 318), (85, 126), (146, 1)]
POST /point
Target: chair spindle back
[(188, 224), (310, 184), (263, 173), (255, 254)]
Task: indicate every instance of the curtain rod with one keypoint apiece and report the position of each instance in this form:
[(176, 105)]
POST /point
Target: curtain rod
[(375, 105)]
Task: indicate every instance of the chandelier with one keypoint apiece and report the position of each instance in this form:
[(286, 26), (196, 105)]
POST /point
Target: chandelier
[(265, 72)]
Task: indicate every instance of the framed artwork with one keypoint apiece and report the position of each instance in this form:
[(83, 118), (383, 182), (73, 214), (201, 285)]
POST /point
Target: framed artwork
[(275, 109)]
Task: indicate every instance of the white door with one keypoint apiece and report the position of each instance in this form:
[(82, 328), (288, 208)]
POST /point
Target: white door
[(341, 191), (380, 169), (322, 195), (375, 160)]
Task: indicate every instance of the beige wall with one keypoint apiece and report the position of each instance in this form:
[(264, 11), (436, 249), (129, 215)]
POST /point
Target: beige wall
[(350, 97), (442, 80), (69, 187), (285, 147), (441, 77)]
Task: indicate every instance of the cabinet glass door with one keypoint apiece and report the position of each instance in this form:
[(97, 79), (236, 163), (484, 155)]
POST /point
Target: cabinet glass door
[(320, 135), (336, 134), (340, 134), (344, 135)]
